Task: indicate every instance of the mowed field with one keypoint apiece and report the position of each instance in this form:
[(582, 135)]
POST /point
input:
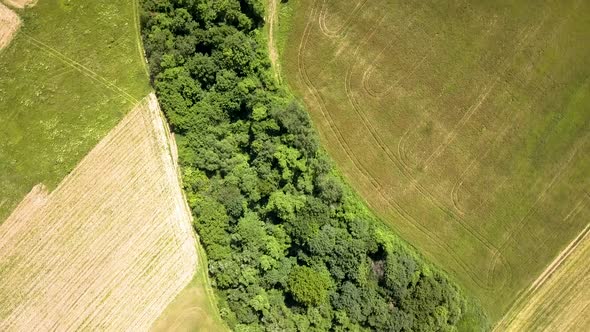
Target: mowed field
[(464, 125), (72, 71), (111, 247)]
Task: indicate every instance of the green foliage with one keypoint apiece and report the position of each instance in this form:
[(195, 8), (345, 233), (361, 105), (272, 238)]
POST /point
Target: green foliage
[(309, 287), (289, 247)]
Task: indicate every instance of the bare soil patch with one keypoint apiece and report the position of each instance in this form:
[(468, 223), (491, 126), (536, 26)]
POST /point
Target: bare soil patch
[(9, 24), (111, 247), (272, 47), (21, 3)]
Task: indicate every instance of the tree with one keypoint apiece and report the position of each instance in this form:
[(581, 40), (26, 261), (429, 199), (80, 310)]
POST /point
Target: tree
[(289, 246), (308, 286)]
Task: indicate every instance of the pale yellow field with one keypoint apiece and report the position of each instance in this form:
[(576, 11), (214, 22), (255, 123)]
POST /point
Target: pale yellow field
[(559, 300), (110, 248), (9, 24), (20, 3)]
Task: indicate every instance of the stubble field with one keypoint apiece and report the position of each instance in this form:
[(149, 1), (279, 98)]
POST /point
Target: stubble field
[(111, 247), (463, 124)]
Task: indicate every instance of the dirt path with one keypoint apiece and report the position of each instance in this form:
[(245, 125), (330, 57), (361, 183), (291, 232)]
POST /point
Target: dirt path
[(20, 3), (9, 24), (272, 21)]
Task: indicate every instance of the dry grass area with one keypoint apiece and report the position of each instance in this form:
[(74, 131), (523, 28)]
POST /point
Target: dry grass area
[(464, 125), (21, 3), (271, 21), (559, 300), (111, 247), (9, 24)]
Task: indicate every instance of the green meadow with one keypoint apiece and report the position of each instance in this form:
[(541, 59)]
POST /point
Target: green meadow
[(72, 72)]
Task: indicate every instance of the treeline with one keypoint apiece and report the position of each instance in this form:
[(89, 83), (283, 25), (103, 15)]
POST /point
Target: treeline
[(289, 247)]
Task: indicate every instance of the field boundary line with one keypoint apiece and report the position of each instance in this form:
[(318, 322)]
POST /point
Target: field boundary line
[(272, 47), (520, 302), (139, 40)]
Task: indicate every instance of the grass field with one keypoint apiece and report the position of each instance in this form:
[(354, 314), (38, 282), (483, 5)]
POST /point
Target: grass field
[(463, 124), (111, 247), (71, 73)]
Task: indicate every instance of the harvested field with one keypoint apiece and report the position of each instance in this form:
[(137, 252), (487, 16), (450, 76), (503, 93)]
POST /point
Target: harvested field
[(560, 299), (9, 24), (108, 249), (464, 125), (20, 3)]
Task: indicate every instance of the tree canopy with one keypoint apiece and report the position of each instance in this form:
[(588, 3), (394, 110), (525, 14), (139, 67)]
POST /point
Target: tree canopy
[(290, 247)]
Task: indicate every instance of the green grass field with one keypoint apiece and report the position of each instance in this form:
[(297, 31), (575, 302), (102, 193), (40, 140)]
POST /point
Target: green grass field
[(72, 72), (464, 124)]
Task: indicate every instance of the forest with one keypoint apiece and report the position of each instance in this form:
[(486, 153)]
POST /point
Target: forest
[(290, 246)]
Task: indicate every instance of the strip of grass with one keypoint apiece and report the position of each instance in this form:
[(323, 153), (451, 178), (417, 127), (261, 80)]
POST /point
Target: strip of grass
[(72, 72)]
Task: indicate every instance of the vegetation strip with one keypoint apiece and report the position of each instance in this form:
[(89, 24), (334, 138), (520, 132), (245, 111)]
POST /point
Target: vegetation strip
[(289, 246), (562, 300), (522, 307)]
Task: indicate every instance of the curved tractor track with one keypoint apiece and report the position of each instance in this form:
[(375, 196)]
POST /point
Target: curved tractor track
[(445, 125)]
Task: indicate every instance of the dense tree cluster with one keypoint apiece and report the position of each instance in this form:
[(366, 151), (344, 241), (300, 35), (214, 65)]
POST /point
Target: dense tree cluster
[(289, 247)]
